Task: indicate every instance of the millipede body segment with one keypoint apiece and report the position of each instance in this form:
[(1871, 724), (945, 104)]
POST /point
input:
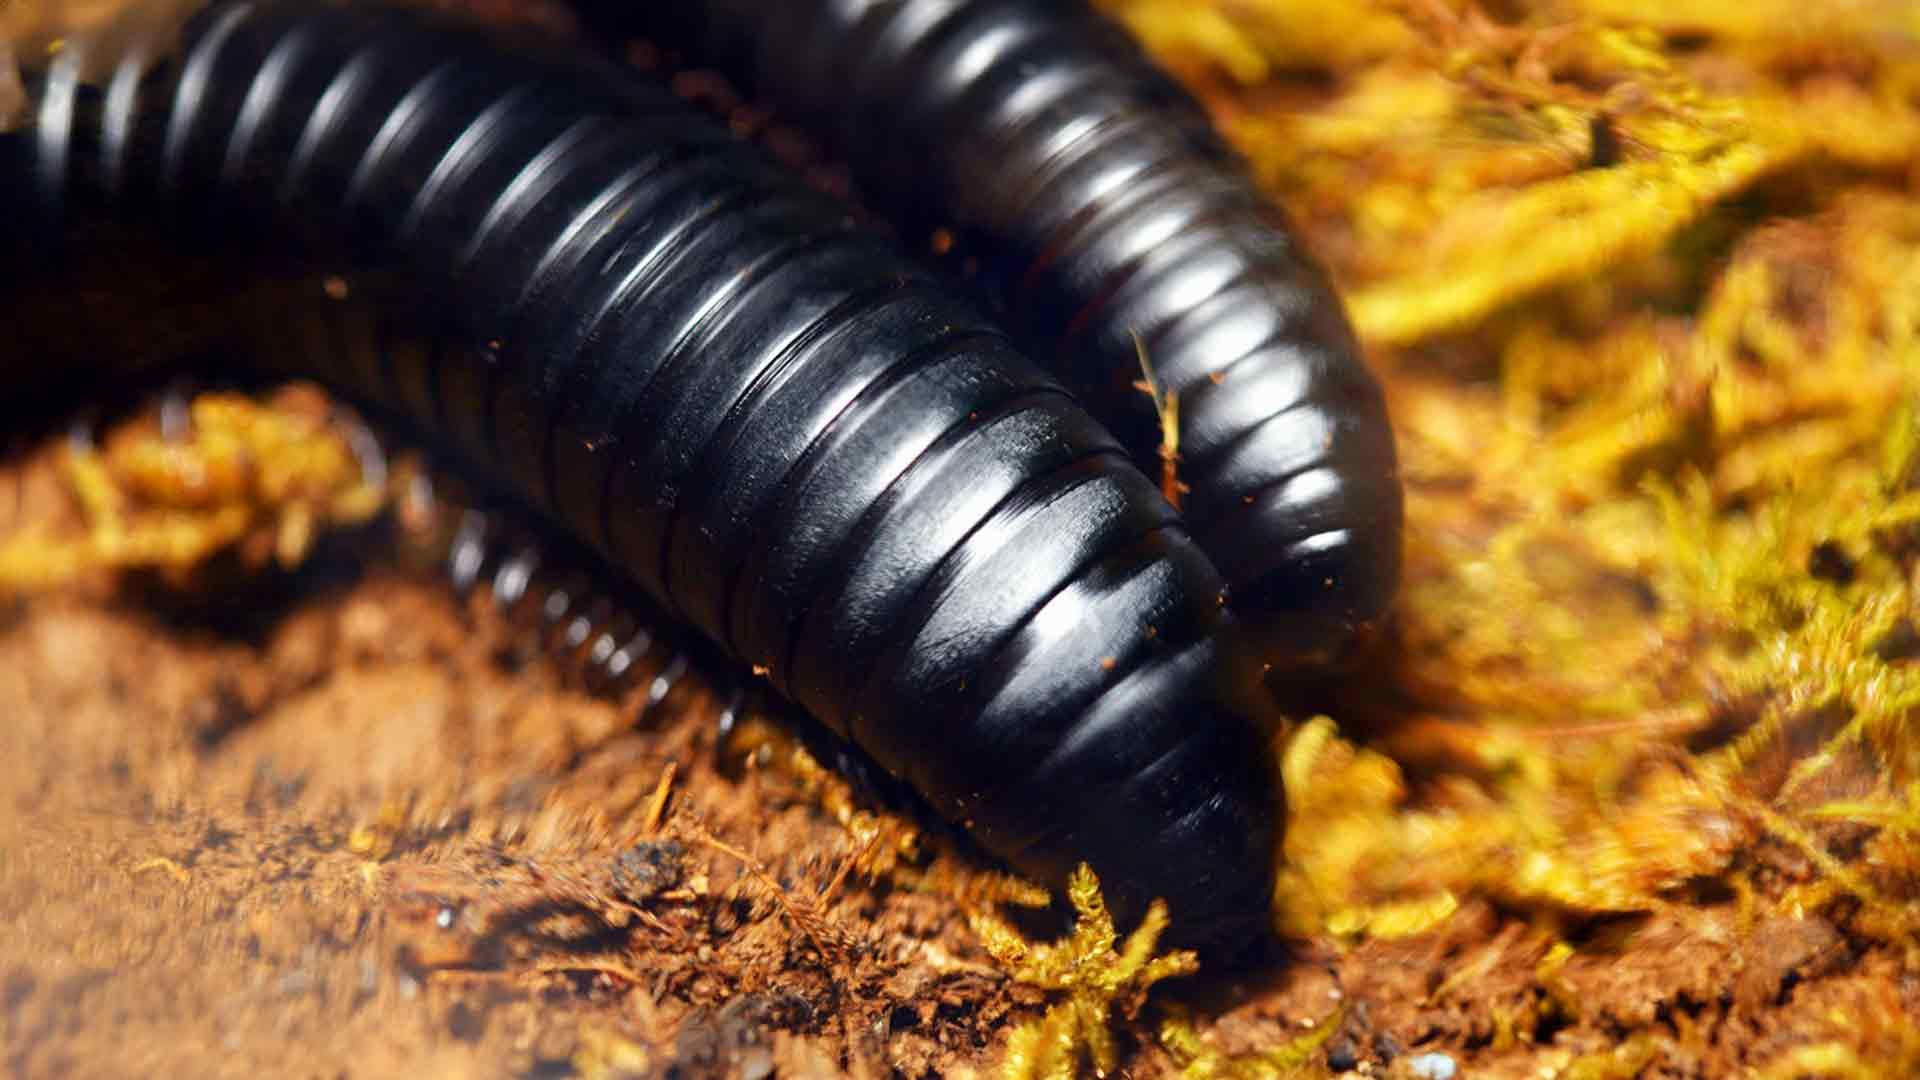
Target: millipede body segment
[(1100, 205), (812, 452)]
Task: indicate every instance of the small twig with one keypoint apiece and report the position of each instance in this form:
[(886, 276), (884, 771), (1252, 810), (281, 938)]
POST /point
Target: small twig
[(1166, 405), (657, 805)]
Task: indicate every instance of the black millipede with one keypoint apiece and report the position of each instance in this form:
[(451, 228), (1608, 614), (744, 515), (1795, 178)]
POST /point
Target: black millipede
[(1099, 204), (812, 452)]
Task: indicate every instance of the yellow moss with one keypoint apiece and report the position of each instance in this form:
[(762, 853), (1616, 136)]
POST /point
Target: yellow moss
[(259, 477), (1199, 1061), (1500, 247), (1609, 550), (1250, 41), (1096, 980), (1466, 164)]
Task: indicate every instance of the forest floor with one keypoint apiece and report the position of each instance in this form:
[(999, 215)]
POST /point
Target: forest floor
[(1632, 789)]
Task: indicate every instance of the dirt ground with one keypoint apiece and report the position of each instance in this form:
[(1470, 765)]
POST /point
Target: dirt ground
[(1632, 789), (348, 824), (363, 828)]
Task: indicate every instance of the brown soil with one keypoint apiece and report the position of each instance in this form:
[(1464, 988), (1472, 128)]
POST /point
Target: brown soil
[(363, 829)]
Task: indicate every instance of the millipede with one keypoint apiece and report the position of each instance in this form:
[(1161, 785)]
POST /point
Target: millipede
[(1103, 210), (775, 423)]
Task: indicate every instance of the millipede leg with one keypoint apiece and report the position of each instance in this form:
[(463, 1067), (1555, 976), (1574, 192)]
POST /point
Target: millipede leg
[(467, 555)]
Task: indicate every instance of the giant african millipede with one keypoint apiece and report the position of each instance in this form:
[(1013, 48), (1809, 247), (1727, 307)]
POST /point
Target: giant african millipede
[(809, 447)]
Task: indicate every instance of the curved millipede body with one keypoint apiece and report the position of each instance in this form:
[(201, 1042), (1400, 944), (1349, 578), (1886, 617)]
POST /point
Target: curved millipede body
[(1100, 204), (814, 454)]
